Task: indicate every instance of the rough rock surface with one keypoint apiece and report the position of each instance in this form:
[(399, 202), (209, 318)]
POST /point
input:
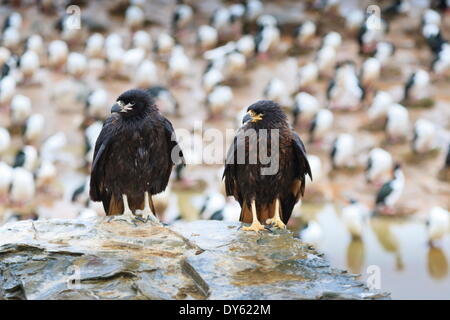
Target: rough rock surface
[(96, 259)]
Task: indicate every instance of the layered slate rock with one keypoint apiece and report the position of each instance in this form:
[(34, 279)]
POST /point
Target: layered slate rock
[(97, 259)]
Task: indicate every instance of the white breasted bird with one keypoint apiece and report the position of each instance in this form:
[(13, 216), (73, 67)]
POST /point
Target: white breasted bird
[(52, 146), (211, 78), (316, 168), (35, 43), (210, 204), (207, 37), (320, 125), (11, 38), (343, 152), (305, 33), (77, 64), (221, 19), (29, 64), (95, 46), (253, 9), (27, 158), (146, 74), (7, 89), (46, 174), (6, 175), (13, 20), (354, 216), (371, 32), (230, 211), (132, 58), (142, 39), (441, 61), (58, 52), (379, 165), (164, 44), (307, 75), (312, 233), (182, 15), (383, 52), (5, 140), (90, 137), (332, 39), (390, 192), (22, 186), (275, 90), (268, 37), (354, 19), (179, 63), (96, 105), (345, 91), (437, 224), (325, 59), (431, 16), (418, 85), (166, 101), (397, 125), (134, 17), (370, 72), (424, 138), (305, 107), (113, 40), (218, 100), (246, 45), (380, 105), (34, 128), (20, 109)]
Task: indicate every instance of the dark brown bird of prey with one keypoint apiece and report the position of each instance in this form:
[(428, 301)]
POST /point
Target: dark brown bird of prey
[(266, 190), (133, 158)]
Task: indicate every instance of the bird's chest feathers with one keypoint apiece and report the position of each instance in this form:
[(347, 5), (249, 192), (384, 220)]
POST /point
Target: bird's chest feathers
[(133, 147)]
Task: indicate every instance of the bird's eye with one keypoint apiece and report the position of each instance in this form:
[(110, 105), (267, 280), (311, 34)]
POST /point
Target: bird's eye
[(132, 103)]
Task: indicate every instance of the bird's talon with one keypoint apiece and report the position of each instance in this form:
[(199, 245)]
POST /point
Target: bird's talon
[(254, 227), (276, 223)]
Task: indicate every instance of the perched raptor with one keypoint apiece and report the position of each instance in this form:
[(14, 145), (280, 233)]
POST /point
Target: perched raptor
[(133, 158), (266, 196)]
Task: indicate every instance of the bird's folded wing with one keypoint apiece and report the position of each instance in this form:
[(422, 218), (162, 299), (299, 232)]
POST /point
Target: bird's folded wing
[(300, 153), (176, 154), (101, 149), (229, 172)]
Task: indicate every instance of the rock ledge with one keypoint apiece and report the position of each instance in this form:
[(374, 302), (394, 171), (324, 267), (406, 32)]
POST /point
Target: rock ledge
[(96, 259)]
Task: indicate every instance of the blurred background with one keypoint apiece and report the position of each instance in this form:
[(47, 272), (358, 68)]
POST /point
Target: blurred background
[(365, 84)]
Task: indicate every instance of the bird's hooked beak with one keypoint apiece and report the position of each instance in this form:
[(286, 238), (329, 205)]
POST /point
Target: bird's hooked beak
[(246, 118), (251, 116), (119, 106)]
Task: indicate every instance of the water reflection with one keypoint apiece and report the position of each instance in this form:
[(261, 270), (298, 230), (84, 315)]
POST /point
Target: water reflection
[(437, 263), (409, 267), (355, 255), (382, 227)]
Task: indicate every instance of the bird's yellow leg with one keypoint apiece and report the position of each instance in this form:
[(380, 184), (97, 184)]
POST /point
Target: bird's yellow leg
[(147, 213), (127, 214), (256, 225), (276, 220)]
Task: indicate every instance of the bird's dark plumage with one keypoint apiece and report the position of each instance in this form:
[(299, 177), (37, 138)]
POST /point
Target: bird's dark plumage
[(134, 153), (384, 192), (245, 181), (408, 86)]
